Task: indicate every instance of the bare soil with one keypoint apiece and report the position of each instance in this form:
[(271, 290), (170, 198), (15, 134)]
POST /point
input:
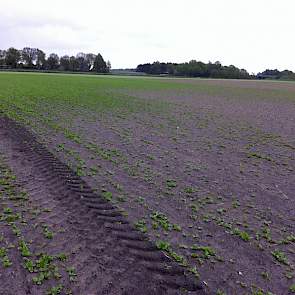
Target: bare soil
[(108, 255)]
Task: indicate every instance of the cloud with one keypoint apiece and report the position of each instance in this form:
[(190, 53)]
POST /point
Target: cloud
[(250, 34)]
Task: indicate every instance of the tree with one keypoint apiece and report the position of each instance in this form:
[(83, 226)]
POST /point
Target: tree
[(90, 58), (74, 65), (53, 61), (82, 62), (194, 68), (12, 57), (29, 55), (100, 65), (65, 63), (171, 69), (2, 57), (35, 58), (41, 59), (109, 66), (144, 68)]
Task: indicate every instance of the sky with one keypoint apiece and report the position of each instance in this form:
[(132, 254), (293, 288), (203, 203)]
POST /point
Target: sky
[(252, 34)]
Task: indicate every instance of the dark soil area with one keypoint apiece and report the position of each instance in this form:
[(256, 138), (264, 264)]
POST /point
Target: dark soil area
[(59, 237)]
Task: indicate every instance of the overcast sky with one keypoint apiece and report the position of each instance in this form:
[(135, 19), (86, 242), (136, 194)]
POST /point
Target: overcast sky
[(252, 34)]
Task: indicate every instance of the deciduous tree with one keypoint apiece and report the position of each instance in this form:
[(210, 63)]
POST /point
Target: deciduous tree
[(90, 58), (65, 63), (53, 61), (12, 57), (41, 59), (29, 56), (2, 57)]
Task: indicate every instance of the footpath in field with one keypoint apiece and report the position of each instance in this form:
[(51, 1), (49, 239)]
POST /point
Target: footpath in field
[(58, 237)]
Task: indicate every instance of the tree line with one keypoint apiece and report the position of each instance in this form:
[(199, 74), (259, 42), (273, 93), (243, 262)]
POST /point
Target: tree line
[(276, 75), (209, 70), (194, 69), (36, 59)]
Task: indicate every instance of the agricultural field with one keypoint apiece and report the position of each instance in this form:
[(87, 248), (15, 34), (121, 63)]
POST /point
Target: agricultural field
[(118, 185)]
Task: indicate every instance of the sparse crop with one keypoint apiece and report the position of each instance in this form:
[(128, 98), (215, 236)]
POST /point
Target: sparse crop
[(187, 161)]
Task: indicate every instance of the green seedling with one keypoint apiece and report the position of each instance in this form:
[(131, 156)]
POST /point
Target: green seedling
[(60, 147), (171, 183), (236, 204), (40, 278), (194, 207), (29, 264), (280, 257), (163, 245), (6, 262), (12, 217), (176, 227), (47, 210), (55, 290), (107, 195), (207, 251), (189, 190), (289, 275), (161, 220), (140, 200), (194, 271), (62, 257), (288, 240), (16, 230), (7, 210), (25, 252), (72, 273), (44, 262), (2, 252), (47, 233), (141, 225), (242, 234)]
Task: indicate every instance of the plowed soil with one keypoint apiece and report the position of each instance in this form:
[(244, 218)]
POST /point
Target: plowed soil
[(107, 254)]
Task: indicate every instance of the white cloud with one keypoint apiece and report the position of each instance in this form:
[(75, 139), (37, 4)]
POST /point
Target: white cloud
[(250, 34)]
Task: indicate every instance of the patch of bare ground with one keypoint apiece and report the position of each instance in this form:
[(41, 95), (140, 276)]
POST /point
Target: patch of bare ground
[(57, 236)]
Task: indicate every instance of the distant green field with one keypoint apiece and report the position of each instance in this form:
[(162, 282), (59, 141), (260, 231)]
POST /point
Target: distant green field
[(29, 91), (94, 90), (55, 99)]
